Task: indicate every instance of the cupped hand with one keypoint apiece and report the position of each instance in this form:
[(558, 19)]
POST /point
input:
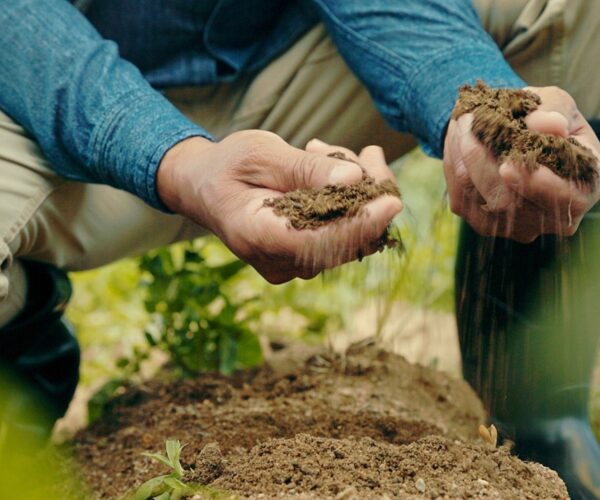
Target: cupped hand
[(222, 186), (505, 199)]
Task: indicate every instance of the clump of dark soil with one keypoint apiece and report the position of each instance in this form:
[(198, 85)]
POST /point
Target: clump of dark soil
[(499, 123), (368, 425), (313, 208)]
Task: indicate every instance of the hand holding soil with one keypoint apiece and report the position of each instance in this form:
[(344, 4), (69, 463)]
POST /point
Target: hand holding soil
[(337, 203), (222, 186), (520, 163)]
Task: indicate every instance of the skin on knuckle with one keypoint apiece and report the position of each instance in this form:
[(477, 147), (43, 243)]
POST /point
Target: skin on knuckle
[(249, 153)]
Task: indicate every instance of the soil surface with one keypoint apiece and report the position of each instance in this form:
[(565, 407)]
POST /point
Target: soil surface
[(366, 425), (499, 123)]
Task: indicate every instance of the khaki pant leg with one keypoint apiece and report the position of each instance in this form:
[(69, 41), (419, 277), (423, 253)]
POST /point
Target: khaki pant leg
[(71, 225), (550, 42), (307, 92)]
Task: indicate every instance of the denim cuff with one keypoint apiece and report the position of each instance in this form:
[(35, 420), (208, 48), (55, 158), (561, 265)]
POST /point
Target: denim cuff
[(433, 89), (129, 145)]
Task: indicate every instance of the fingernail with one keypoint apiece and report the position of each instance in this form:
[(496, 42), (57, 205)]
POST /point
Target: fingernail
[(344, 173)]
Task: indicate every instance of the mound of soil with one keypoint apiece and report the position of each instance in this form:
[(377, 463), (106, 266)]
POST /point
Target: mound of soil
[(368, 425), (499, 123)]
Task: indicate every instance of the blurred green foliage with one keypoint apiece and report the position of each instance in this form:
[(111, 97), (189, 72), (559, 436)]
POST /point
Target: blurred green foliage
[(196, 320), (31, 469)]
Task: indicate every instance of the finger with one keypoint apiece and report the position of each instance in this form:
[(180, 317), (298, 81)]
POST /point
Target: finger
[(452, 170), (548, 122), (360, 236), (320, 147), (372, 159), (330, 245), (553, 194), (556, 113), (463, 196), (289, 252), (482, 168), (297, 169)]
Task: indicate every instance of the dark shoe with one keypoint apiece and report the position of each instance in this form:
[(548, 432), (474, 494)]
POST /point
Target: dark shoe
[(39, 355), (568, 446)]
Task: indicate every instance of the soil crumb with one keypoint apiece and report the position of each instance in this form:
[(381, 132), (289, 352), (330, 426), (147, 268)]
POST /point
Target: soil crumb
[(499, 123), (313, 208), (365, 425)]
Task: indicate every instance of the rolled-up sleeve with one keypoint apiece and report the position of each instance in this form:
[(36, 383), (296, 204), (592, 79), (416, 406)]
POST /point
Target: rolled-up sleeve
[(413, 55), (93, 114)]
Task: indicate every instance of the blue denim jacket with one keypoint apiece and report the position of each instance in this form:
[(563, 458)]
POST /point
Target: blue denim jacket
[(98, 116)]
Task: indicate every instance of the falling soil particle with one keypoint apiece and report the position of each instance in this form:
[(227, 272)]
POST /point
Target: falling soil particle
[(499, 123), (313, 208), (367, 425)]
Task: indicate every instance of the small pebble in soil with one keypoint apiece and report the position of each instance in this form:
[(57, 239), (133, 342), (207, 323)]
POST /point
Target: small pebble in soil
[(420, 485)]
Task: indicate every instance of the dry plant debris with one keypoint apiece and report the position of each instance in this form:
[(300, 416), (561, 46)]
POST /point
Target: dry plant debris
[(499, 123), (489, 434)]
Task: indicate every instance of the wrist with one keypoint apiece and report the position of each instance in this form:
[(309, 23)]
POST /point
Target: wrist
[(169, 182)]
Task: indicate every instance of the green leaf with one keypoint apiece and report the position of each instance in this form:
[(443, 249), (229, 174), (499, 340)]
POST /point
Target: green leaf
[(159, 457), (249, 350), (164, 496), (122, 362), (98, 401), (230, 269), (150, 339), (177, 484), (148, 489), (228, 351), (174, 448)]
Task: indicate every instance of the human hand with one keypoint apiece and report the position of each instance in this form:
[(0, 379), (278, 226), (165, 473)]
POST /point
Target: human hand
[(508, 201), (222, 186)]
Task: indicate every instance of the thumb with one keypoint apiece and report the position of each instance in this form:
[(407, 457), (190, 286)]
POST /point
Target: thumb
[(548, 122), (555, 113), (298, 169)]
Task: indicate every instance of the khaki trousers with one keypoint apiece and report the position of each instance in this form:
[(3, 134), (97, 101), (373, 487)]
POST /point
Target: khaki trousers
[(307, 92)]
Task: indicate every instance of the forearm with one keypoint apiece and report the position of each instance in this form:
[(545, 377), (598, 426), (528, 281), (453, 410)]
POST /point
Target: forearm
[(93, 114), (413, 55)]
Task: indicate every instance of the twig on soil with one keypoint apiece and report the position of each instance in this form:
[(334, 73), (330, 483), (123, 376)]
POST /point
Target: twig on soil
[(489, 434)]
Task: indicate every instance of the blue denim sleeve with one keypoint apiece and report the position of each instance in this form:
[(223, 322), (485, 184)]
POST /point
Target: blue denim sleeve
[(93, 114), (413, 55)]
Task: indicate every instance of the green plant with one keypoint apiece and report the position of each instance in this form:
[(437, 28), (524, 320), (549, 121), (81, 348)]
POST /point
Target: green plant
[(167, 486), (195, 318)]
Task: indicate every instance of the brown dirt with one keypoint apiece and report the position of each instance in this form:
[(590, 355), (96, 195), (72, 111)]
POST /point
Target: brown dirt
[(499, 123), (313, 208), (363, 426)]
